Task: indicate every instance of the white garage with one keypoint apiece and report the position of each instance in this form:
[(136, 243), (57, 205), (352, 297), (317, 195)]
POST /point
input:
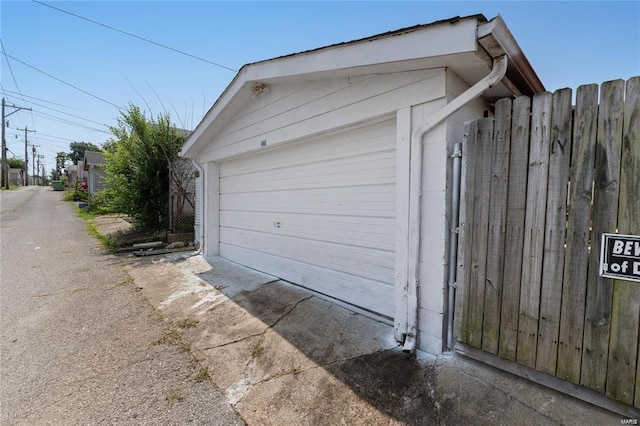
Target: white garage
[(332, 168), (319, 213)]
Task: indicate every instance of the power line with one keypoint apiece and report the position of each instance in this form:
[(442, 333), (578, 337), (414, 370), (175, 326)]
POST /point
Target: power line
[(66, 120), (69, 122), (40, 99), (11, 70), (135, 36), (69, 114), (61, 81)]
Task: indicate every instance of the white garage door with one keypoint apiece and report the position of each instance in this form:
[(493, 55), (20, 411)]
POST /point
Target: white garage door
[(320, 213)]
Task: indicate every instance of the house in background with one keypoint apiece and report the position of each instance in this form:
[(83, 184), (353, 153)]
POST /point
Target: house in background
[(332, 168), (94, 164), (16, 177), (71, 171)]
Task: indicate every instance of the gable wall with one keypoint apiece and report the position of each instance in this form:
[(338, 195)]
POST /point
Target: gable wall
[(292, 111)]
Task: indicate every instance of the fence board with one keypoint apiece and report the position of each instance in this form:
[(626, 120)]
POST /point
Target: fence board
[(625, 318), (534, 229), (463, 276), (480, 231), (514, 235), (604, 217), (555, 231), (500, 148), (577, 256)]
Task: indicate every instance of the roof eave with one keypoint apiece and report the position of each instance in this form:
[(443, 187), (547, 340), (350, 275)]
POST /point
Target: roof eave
[(494, 36), (315, 62)]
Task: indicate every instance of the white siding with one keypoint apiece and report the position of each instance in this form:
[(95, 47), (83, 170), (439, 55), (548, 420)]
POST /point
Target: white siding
[(293, 111), (319, 213)]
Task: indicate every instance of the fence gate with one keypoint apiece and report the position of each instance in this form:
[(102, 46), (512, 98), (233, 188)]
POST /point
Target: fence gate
[(541, 182)]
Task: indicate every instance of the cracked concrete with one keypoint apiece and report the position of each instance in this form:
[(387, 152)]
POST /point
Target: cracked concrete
[(283, 355)]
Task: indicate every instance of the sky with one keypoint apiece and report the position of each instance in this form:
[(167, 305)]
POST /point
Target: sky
[(567, 43)]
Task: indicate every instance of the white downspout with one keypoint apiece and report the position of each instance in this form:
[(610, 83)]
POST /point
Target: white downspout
[(201, 212), (415, 187)]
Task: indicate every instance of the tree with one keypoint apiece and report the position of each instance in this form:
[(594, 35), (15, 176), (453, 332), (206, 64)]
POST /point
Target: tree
[(15, 163), (55, 175), (138, 167), (61, 163), (77, 150)]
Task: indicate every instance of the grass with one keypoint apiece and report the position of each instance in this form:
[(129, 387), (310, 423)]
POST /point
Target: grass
[(173, 337), (124, 282), (106, 242), (257, 350), (11, 188), (202, 374), (186, 323)]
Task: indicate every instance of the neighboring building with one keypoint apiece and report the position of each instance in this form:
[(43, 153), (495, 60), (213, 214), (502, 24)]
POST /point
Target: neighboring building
[(94, 164), (309, 172), (16, 177), (72, 174)]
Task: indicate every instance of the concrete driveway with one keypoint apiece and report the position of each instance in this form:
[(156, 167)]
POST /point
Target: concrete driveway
[(283, 355)]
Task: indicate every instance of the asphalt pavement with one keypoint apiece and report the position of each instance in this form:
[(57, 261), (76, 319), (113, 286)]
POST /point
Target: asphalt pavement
[(79, 344)]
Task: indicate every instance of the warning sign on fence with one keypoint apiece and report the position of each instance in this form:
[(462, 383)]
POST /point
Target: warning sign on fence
[(620, 257)]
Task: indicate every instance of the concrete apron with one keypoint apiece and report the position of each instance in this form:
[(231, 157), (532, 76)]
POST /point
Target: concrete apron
[(282, 355)]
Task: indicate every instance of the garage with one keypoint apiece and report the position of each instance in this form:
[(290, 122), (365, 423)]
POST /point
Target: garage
[(319, 213)]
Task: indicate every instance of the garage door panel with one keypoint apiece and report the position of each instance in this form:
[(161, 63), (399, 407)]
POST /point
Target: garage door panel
[(355, 260), (374, 138), (320, 228), (319, 213), (326, 281), (373, 171)]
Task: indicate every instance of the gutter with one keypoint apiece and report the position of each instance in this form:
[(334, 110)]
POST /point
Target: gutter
[(415, 192)]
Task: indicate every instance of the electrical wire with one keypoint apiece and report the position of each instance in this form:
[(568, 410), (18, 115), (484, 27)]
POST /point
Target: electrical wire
[(66, 113), (11, 70), (62, 81), (134, 36), (40, 99), (71, 122)]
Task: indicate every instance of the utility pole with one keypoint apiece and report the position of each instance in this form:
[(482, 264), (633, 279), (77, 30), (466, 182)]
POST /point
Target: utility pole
[(26, 156), (39, 157), (5, 166), (33, 165)]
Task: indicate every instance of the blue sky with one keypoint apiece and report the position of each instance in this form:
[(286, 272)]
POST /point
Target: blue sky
[(567, 43)]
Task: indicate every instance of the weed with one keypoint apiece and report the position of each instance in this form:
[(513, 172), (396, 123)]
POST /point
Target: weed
[(186, 323), (80, 289), (172, 336), (257, 350), (202, 374), (124, 282)]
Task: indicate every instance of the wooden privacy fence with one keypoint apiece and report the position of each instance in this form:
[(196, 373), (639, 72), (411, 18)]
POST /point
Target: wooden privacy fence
[(541, 182)]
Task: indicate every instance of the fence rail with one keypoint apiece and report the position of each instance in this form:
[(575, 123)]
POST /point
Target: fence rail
[(542, 181)]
